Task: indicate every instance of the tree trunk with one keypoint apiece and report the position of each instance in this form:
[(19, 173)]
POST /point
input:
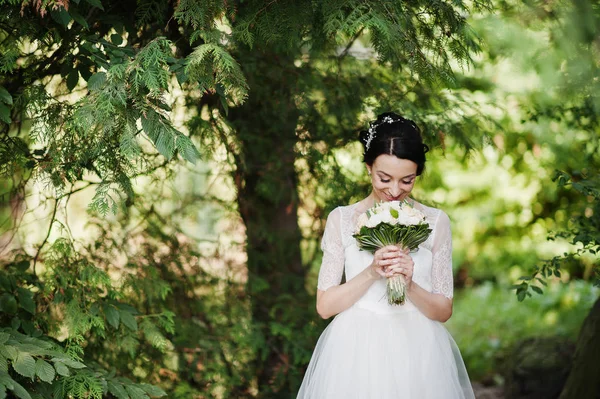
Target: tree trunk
[(268, 202), (584, 379)]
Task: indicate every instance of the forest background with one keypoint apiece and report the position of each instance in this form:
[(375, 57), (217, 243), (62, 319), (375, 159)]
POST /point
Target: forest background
[(167, 169)]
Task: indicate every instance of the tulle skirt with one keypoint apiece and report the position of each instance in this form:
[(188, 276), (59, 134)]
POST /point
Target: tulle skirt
[(367, 355)]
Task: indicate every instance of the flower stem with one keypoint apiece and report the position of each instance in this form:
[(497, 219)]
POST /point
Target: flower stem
[(396, 290)]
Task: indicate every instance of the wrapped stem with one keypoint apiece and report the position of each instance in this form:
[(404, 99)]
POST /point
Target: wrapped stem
[(396, 290)]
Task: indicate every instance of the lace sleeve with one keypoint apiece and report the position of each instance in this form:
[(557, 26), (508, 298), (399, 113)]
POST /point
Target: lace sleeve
[(332, 266), (441, 270)]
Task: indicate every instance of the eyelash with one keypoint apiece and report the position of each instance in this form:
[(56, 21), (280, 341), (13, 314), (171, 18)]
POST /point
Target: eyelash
[(403, 181)]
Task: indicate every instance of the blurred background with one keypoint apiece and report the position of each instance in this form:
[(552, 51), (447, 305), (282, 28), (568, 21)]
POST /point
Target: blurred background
[(166, 175)]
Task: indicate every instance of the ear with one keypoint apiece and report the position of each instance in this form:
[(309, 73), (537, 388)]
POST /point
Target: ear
[(369, 169)]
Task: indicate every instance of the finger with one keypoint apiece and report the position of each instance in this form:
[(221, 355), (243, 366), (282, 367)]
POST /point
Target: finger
[(401, 270), (391, 254), (392, 262), (391, 248)]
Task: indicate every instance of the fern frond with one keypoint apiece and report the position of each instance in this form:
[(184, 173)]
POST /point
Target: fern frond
[(211, 65)]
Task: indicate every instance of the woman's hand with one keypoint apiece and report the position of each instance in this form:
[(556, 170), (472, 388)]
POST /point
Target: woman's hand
[(391, 261), (405, 266), (385, 259)]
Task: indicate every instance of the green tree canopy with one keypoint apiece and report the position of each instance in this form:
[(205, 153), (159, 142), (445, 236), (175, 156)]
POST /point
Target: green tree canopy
[(84, 100)]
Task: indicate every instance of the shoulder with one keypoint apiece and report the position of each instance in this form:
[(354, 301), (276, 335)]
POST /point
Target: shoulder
[(340, 219), (341, 212)]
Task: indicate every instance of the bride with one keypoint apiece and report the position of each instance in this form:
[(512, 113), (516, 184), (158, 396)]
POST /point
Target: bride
[(372, 350)]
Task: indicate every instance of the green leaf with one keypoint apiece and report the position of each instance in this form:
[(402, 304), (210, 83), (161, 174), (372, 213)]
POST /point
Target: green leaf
[(8, 303), (129, 320), (19, 391), (2, 392), (4, 114), (117, 389), (116, 39), (9, 351), (24, 365), (5, 96), (26, 300), (153, 390), (6, 380), (15, 323), (537, 289), (4, 337), (22, 266), (74, 364), (96, 3), (112, 315), (165, 142), (96, 81), (77, 17), (3, 364), (61, 16), (44, 371), (135, 392), (187, 149), (61, 369), (128, 143), (72, 79)]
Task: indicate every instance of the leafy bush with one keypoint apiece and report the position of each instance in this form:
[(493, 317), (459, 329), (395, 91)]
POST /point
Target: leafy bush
[(488, 320), (54, 316)]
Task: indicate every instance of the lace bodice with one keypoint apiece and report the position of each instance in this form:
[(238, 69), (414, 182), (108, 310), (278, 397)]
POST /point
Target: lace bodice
[(433, 260)]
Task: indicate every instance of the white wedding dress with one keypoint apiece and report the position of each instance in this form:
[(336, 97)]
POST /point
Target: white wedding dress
[(376, 351)]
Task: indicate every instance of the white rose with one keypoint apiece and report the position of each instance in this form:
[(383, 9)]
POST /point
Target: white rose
[(388, 218), (374, 220)]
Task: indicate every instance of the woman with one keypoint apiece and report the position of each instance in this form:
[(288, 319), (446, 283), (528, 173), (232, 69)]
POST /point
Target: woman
[(372, 350)]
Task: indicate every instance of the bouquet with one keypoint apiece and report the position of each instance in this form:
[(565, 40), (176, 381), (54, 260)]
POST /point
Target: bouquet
[(392, 223)]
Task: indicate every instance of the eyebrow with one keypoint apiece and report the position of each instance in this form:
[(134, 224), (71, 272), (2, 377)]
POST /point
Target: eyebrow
[(390, 176)]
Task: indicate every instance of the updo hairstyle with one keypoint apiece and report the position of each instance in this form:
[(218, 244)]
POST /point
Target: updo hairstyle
[(393, 134)]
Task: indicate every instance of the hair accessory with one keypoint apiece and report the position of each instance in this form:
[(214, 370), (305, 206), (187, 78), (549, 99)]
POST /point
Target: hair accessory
[(375, 125)]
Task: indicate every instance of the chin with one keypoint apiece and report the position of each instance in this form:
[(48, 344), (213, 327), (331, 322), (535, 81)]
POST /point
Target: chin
[(385, 198)]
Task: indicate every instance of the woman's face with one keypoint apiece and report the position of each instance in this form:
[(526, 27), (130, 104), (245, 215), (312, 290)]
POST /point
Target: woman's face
[(392, 178)]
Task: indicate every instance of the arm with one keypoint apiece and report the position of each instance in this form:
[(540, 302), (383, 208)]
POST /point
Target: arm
[(339, 298), (437, 305), (333, 298)]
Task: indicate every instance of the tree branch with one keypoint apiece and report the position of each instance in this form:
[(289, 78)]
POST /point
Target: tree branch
[(37, 255)]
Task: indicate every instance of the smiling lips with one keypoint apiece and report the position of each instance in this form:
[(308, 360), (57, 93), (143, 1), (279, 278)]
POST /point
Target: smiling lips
[(391, 198)]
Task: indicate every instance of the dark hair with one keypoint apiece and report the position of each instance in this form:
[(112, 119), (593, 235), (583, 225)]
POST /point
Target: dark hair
[(393, 134)]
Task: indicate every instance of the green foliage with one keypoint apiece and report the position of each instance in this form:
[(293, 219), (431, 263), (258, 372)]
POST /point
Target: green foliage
[(33, 360), (583, 234), (5, 103), (488, 320), (278, 89), (213, 67), (577, 110)]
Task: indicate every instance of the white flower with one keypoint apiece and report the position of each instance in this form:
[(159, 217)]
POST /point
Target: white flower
[(375, 219), (392, 212), (410, 216), (362, 221)]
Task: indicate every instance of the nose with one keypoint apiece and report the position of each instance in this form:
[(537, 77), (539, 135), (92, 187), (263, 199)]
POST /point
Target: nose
[(395, 190)]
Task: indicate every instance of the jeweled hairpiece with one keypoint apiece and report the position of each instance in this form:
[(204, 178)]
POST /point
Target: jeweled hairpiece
[(374, 126)]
